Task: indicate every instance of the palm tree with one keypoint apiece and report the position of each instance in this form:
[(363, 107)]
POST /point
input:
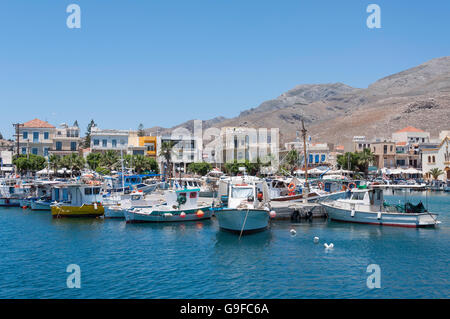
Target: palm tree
[(292, 159), (110, 160), (365, 158), (166, 153), (55, 162), (435, 173), (73, 162)]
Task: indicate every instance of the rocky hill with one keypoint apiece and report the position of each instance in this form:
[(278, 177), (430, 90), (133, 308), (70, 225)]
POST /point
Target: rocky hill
[(336, 112)]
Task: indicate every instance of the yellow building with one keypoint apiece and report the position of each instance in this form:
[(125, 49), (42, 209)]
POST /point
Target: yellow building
[(149, 142)]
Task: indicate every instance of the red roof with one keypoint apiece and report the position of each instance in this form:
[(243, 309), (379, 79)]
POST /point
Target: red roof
[(410, 129), (401, 143), (37, 123), (340, 147)]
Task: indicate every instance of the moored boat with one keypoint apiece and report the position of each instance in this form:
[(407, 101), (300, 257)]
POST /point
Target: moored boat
[(83, 201), (367, 206), (247, 209), (181, 205), (135, 200)]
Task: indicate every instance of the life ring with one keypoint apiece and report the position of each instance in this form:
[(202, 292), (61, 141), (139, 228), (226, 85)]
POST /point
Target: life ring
[(354, 185), (291, 189), (344, 188), (321, 185)]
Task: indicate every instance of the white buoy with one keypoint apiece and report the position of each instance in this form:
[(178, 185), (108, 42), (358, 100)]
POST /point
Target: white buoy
[(331, 245), (316, 240), (325, 245), (293, 231)]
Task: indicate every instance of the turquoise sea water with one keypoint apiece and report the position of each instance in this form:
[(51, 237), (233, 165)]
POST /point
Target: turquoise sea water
[(196, 260)]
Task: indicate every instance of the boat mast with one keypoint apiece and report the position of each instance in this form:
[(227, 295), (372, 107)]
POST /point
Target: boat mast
[(123, 177), (305, 194)]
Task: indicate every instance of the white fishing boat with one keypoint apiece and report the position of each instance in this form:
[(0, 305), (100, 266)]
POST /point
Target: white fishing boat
[(180, 205), (134, 200), (247, 208), (367, 206)]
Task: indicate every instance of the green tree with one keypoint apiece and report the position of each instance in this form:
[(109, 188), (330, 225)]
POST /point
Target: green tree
[(87, 139), (110, 160), (93, 160), (348, 161), (292, 160), (22, 164), (364, 159), (55, 162), (435, 173), (141, 131), (73, 162), (166, 153), (200, 168)]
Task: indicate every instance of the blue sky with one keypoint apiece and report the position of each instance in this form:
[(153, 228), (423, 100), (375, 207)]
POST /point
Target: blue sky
[(164, 62)]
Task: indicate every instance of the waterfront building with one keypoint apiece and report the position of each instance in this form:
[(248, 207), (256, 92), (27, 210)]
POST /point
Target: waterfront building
[(149, 144), (103, 140), (6, 145), (438, 157), (66, 140), (318, 153), (360, 143), (411, 135), (6, 164), (35, 137), (384, 152)]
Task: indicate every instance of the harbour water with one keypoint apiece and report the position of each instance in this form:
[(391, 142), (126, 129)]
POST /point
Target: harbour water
[(196, 260)]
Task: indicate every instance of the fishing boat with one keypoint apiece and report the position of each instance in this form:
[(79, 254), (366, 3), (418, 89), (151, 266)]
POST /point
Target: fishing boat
[(83, 200), (247, 208), (367, 206), (180, 205), (134, 200), (12, 191)]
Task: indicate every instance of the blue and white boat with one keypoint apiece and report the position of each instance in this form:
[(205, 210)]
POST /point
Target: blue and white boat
[(179, 206), (367, 206), (247, 208), (134, 200)]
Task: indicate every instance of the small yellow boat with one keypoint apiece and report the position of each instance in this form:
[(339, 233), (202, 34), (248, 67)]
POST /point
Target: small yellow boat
[(83, 201)]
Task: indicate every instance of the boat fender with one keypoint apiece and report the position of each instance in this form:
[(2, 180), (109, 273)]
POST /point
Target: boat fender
[(272, 214), (316, 240), (379, 215), (168, 215), (200, 213), (352, 213), (95, 206)]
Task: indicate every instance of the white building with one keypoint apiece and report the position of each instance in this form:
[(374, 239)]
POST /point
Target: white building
[(106, 140), (6, 165), (411, 135), (318, 153), (438, 157)]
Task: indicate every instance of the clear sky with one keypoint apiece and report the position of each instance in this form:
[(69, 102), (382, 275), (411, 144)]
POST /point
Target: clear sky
[(163, 62)]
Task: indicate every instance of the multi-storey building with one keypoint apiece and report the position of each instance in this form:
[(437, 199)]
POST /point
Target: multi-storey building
[(384, 152), (103, 140), (66, 140), (35, 137), (438, 157)]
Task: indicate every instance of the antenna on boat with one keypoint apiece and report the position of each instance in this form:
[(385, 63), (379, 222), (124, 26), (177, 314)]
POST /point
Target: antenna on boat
[(304, 131), (123, 177)]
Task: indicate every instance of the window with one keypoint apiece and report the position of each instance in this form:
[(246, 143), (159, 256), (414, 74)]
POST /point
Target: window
[(317, 158), (429, 159), (25, 135), (96, 191), (193, 195), (269, 139), (385, 149), (114, 143), (322, 158), (24, 150), (96, 142), (73, 146), (241, 192), (45, 151), (35, 137), (151, 147), (104, 143), (46, 135), (88, 191), (34, 151), (434, 159), (122, 142), (58, 146)]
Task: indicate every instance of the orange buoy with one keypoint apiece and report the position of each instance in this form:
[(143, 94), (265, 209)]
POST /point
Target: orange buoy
[(200, 213)]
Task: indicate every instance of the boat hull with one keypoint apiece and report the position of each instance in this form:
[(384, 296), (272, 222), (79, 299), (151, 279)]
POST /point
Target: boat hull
[(245, 221), (90, 210), (383, 219), (164, 217), (9, 202), (37, 205), (114, 212)]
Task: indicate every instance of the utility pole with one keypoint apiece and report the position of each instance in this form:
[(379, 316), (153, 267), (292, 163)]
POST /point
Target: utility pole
[(305, 194), (17, 126)]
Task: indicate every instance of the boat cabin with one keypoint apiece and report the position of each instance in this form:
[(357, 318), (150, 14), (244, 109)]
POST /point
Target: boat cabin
[(183, 198), (373, 197), (77, 195)]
